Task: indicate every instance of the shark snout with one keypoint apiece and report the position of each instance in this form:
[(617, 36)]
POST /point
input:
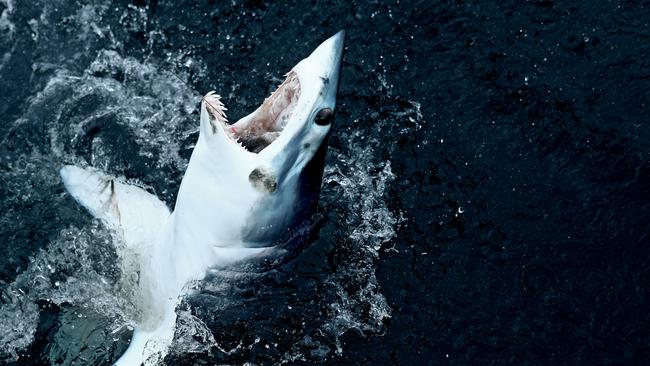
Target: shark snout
[(326, 60), (330, 52)]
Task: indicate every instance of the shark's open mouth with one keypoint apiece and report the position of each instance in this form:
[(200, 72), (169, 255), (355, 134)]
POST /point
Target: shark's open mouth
[(260, 128)]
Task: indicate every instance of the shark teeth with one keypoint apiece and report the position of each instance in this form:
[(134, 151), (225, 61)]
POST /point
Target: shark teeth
[(215, 106), (218, 111)]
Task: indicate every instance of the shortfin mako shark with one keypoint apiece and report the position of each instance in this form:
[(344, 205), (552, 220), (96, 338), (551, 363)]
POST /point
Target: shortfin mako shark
[(246, 186)]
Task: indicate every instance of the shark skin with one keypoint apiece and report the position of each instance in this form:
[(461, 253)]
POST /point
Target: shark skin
[(247, 185)]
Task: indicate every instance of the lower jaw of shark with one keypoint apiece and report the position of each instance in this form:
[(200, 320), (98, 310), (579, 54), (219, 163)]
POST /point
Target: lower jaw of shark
[(247, 185)]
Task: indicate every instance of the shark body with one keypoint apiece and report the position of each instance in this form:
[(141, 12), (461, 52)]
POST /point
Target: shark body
[(246, 186)]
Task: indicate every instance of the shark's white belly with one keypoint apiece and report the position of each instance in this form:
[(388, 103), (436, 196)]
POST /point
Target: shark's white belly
[(229, 194)]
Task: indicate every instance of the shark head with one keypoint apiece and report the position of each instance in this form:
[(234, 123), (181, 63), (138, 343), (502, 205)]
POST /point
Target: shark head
[(270, 163)]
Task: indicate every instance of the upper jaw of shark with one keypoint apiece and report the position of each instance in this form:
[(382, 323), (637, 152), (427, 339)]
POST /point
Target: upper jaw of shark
[(297, 116)]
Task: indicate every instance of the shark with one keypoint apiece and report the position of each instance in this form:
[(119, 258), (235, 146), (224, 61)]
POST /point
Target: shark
[(247, 186)]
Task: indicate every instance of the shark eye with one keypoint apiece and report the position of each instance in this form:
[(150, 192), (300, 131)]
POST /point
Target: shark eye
[(324, 117)]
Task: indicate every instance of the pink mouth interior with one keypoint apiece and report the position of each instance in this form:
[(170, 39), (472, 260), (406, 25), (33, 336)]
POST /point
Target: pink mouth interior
[(260, 128)]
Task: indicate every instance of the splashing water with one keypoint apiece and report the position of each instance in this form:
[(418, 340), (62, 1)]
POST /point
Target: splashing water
[(116, 105), (78, 269), (370, 226), (123, 115)]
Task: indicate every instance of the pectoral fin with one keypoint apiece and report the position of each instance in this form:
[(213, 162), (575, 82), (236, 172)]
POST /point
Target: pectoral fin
[(136, 213)]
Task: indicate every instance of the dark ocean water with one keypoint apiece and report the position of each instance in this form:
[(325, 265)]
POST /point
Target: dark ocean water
[(486, 199)]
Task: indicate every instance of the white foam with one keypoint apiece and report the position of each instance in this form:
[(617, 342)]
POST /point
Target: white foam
[(154, 106), (6, 25), (92, 281)]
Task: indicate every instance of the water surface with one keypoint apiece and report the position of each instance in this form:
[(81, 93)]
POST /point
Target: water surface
[(485, 198)]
